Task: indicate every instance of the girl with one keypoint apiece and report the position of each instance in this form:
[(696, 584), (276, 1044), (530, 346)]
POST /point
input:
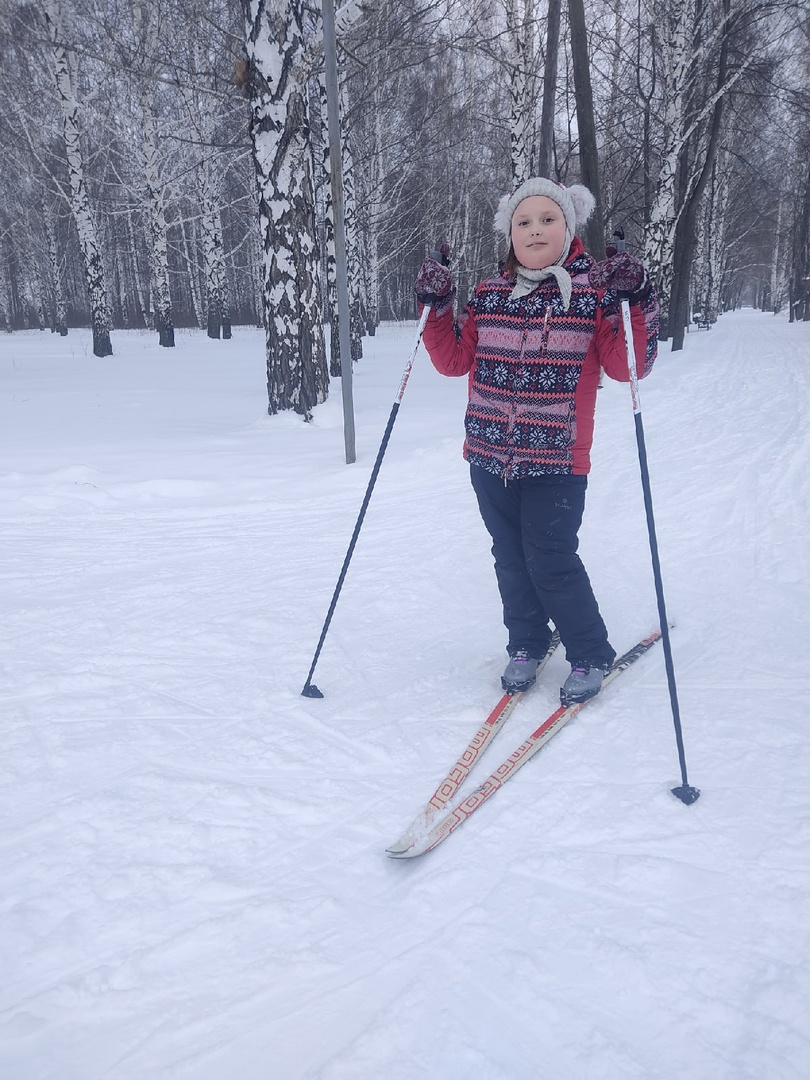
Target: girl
[(532, 342)]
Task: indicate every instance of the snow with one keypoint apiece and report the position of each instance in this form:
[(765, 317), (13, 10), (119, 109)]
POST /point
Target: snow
[(194, 878)]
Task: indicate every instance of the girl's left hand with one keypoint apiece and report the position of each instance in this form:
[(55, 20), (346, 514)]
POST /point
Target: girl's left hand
[(622, 272)]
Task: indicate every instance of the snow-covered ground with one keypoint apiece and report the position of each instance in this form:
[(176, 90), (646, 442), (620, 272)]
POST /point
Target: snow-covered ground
[(193, 874)]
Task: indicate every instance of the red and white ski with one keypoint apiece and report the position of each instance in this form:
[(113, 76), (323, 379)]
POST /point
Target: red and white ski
[(460, 771), (422, 841)]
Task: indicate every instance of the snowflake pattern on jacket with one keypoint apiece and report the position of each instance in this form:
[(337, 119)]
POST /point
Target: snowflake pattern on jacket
[(534, 368)]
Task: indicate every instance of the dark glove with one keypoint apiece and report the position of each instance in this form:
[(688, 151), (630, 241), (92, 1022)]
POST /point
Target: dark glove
[(623, 273), (434, 282)]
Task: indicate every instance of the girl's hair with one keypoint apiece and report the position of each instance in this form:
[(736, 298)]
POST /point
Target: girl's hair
[(510, 263)]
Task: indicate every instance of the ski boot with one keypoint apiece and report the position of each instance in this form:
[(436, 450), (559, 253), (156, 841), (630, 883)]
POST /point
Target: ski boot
[(520, 673), (585, 681)]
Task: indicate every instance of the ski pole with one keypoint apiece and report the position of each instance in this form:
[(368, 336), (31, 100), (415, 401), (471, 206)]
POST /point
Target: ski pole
[(685, 792), (310, 690)]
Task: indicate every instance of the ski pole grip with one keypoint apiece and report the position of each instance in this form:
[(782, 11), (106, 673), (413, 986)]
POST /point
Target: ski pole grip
[(441, 254)]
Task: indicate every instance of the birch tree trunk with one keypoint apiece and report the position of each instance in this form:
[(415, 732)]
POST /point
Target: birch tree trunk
[(800, 268), (545, 149), (352, 229), (79, 198), (118, 286), (611, 127), (38, 289), (692, 193), (157, 243), (521, 29), (329, 253), (716, 240), (297, 373), (255, 263), (659, 240), (6, 302), (588, 154), (461, 167), (213, 260), (190, 249), (778, 261), (135, 283), (58, 306), (374, 182)]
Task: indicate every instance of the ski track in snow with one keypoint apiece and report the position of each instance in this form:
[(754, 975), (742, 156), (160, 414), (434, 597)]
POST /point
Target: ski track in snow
[(192, 857)]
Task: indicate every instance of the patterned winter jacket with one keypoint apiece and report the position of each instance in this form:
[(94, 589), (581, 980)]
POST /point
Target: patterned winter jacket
[(534, 368)]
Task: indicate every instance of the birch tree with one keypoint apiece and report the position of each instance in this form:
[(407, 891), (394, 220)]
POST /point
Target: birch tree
[(217, 321), (6, 257), (778, 277), (545, 142), (677, 21), (799, 176), (350, 224), (297, 375), (711, 262), (523, 48), (64, 80), (800, 261), (147, 31), (586, 125), (58, 307)]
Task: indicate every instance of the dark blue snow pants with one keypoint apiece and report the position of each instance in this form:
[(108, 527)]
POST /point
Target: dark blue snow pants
[(534, 524)]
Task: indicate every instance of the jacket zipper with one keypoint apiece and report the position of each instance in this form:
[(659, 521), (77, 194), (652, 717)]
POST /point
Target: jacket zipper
[(544, 345), (545, 329)]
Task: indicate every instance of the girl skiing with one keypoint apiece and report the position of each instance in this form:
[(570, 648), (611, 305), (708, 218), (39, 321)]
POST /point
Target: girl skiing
[(532, 342)]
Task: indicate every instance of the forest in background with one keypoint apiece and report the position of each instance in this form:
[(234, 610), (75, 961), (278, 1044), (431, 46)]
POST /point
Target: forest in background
[(165, 162)]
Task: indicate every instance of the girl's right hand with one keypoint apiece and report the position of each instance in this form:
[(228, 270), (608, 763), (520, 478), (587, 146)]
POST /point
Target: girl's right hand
[(434, 282)]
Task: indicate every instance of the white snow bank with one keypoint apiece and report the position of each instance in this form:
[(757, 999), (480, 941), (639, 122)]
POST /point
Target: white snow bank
[(192, 858)]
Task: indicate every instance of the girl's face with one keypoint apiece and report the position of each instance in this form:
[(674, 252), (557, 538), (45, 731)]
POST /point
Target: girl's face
[(538, 232)]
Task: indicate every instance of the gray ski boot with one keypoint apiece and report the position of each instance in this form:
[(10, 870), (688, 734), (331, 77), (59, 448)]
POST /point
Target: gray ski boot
[(585, 681), (520, 672)]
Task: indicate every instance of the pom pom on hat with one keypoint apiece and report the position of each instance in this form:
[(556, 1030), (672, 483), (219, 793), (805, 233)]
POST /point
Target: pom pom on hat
[(576, 202)]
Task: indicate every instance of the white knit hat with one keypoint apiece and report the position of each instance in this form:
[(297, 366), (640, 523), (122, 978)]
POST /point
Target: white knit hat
[(576, 203)]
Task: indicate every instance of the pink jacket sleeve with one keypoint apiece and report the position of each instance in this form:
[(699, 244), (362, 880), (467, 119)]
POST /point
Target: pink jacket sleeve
[(451, 343)]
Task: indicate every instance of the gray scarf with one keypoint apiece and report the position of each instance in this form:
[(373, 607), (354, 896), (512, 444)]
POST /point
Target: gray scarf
[(528, 280)]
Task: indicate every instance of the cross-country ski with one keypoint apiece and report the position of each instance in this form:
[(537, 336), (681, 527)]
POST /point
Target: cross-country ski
[(466, 762), (415, 843)]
